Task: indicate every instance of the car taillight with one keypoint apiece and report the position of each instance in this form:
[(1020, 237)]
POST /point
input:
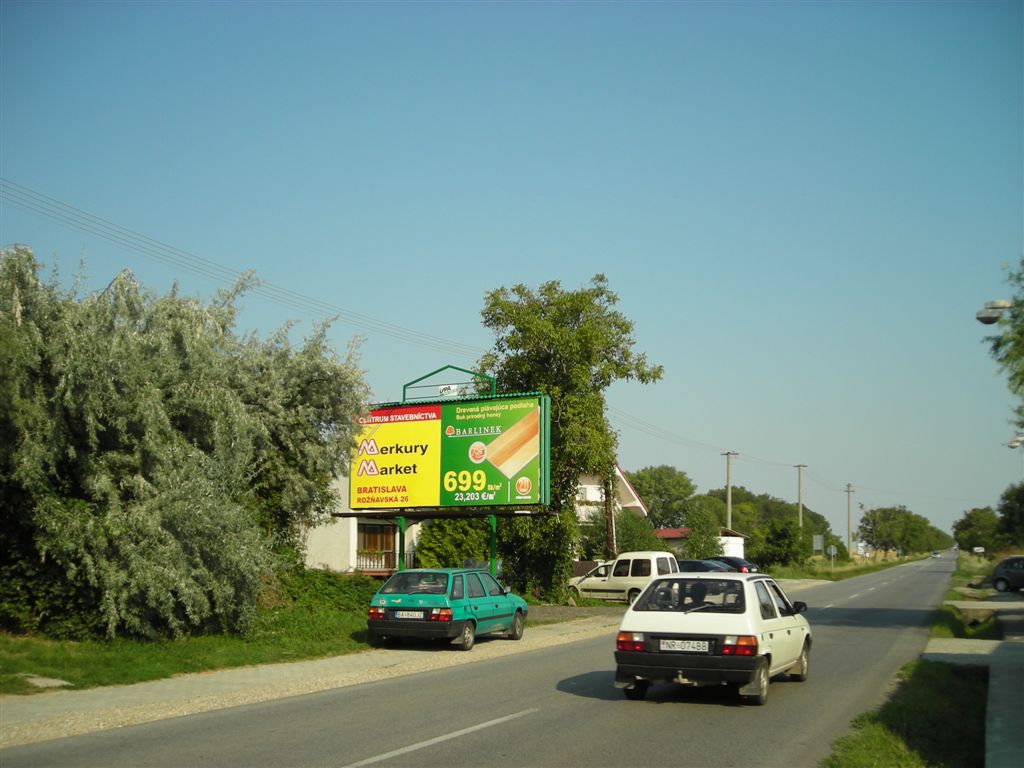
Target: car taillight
[(744, 569), (742, 645), (376, 613), (629, 641), (440, 614)]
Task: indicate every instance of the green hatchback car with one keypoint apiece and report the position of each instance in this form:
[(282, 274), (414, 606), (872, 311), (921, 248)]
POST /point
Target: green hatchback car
[(452, 603)]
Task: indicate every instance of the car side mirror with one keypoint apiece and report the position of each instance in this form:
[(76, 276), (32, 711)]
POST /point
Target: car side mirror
[(507, 590), (799, 606)]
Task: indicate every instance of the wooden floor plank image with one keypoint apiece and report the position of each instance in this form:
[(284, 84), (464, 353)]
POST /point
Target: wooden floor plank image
[(513, 450)]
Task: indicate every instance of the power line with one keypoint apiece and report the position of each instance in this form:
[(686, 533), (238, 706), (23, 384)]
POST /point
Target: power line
[(30, 200)]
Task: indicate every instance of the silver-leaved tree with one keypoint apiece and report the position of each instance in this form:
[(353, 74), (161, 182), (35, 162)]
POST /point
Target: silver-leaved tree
[(153, 464)]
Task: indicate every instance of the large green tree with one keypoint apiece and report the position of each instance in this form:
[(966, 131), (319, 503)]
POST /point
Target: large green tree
[(571, 345), (634, 533), (898, 530), (666, 491), (979, 527), (1011, 514), (152, 461), (1007, 347), (704, 539), (452, 542)]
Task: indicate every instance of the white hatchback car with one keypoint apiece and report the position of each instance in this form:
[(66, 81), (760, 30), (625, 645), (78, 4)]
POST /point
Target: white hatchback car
[(734, 629)]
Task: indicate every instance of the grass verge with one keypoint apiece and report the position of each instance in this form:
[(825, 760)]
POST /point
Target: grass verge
[(936, 716), (308, 615), (934, 719)]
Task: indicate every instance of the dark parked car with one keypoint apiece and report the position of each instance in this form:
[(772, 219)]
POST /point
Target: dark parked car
[(699, 566), (738, 564), (1009, 574)]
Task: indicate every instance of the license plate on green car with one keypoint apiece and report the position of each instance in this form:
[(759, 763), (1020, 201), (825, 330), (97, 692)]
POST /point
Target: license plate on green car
[(408, 614)]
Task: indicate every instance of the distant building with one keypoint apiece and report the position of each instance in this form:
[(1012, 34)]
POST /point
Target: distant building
[(590, 497), (732, 542)]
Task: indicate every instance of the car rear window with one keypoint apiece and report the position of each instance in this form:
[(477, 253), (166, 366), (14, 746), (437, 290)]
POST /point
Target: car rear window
[(416, 582), (685, 594), (641, 567)]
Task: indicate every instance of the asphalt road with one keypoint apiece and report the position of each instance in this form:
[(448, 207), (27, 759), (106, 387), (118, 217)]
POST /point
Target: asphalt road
[(556, 706)]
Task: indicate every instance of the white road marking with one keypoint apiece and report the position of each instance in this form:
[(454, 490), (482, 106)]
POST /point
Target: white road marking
[(440, 739)]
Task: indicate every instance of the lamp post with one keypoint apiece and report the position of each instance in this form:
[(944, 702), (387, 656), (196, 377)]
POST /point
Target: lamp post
[(1017, 442), (993, 310)]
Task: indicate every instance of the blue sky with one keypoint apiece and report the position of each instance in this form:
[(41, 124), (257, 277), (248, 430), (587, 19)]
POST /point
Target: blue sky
[(800, 205)]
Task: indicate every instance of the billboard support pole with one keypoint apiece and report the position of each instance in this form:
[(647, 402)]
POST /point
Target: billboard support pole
[(492, 526), (400, 519)]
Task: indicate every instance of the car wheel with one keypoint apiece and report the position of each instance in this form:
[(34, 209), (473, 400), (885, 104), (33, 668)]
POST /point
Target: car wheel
[(632, 596), (803, 665), (636, 691), (516, 630), (377, 639), (1001, 585), (760, 683), (467, 636)]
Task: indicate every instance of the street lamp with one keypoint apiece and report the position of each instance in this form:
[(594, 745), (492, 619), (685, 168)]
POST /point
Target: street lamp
[(993, 310), (1017, 442)]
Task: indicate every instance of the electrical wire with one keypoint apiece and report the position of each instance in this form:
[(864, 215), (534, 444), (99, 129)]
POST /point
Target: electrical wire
[(28, 199)]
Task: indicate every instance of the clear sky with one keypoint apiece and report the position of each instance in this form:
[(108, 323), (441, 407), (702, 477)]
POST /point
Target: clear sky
[(800, 205)]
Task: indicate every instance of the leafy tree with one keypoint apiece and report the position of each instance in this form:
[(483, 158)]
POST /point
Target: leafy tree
[(703, 540), (897, 529), (450, 542), (571, 345), (710, 504), (1007, 348), (783, 544), (1011, 515), (978, 527), (666, 492), (593, 538), (151, 458), (634, 533)]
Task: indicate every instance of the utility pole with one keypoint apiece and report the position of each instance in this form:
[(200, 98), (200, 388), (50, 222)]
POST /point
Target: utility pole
[(728, 487), (849, 520), (610, 545), (800, 493)]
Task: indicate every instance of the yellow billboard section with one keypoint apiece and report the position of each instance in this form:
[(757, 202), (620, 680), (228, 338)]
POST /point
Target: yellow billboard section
[(398, 459)]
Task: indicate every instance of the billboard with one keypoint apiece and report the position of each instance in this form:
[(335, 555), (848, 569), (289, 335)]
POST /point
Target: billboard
[(488, 452)]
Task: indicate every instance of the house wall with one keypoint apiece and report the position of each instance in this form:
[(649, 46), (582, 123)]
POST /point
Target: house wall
[(732, 546), (332, 545)]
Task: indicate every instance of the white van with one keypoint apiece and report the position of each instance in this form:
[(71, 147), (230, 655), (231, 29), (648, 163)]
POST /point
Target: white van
[(626, 577)]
